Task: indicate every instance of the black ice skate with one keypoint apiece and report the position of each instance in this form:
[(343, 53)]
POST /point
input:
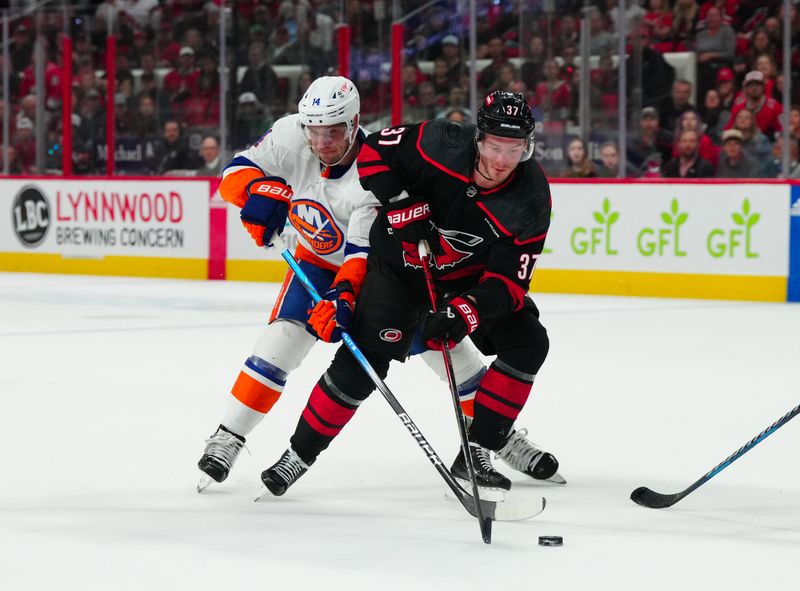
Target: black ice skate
[(222, 449), (526, 457), (485, 474), (283, 474)]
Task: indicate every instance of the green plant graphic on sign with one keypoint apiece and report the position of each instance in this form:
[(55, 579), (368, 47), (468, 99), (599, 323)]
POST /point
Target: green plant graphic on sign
[(720, 242), (588, 240), (651, 240)]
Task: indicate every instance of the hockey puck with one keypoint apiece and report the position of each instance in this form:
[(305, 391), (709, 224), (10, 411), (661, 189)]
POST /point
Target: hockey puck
[(551, 541)]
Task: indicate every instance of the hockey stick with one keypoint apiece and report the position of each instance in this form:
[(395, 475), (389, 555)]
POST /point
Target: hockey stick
[(504, 511), (648, 498), (484, 522)]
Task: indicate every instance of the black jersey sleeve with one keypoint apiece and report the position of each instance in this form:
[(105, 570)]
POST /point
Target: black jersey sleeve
[(513, 258), (386, 161)]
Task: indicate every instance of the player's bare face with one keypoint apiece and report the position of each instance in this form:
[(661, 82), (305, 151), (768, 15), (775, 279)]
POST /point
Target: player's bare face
[(329, 142), (498, 157)]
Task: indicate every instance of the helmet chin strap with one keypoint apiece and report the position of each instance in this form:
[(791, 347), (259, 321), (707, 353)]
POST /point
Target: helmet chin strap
[(480, 172)]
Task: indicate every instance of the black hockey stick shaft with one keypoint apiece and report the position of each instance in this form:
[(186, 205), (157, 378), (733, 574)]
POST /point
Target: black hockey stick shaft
[(485, 523), (648, 498), (474, 506)]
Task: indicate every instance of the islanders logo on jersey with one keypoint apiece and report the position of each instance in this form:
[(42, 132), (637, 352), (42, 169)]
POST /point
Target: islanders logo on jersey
[(316, 225)]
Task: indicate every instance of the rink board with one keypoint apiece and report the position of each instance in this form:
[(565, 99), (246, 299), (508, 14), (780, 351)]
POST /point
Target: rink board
[(141, 227), (703, 239)]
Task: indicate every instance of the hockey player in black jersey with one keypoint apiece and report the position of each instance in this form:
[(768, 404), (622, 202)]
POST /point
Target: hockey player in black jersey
[(483, 204)]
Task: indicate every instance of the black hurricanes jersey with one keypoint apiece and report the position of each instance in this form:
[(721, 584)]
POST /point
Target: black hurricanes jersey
[(490, 239)]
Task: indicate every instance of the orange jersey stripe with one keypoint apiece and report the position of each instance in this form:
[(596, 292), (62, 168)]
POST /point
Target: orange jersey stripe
[(233, 187), (253, 394), (468, 407)]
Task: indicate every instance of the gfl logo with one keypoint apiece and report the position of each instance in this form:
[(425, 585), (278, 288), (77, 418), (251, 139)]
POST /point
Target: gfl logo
[(30, 214)]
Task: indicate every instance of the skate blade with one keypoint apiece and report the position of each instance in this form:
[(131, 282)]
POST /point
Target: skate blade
[(205, 482), (263, 492), (555, 479), (487, 493)]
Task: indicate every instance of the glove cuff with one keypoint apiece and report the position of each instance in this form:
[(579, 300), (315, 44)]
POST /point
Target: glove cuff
[(407, 212)]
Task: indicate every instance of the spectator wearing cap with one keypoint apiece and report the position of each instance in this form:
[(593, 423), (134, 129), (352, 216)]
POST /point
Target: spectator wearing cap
[(181, 82), (24, 144), (649, 141), (726, 89), (252, 119), (261, 80), (451, 52), (688, 163), (733, 162), (21, 47), (767, 110), (679, 101), (754, 143)]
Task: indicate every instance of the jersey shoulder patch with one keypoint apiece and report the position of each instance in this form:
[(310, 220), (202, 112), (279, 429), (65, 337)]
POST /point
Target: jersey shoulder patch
[(444, 143)]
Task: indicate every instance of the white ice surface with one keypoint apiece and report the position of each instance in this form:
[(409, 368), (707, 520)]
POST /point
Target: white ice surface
[(108, 387)]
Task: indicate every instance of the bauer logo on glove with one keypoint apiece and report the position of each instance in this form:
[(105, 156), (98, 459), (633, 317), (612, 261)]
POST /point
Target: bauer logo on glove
[(266, 209)]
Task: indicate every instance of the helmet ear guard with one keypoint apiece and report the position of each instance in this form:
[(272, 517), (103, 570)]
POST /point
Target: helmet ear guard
[(507, 114)]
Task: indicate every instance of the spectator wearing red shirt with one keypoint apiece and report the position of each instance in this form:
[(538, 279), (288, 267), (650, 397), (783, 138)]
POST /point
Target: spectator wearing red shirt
[(767, 110), (658, 21)]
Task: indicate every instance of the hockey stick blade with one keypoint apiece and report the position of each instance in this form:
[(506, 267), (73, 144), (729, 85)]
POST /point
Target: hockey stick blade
[(648, 498), (508, 510)]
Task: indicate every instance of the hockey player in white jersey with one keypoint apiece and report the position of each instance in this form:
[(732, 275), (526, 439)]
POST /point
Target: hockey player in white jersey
[(303, 170)]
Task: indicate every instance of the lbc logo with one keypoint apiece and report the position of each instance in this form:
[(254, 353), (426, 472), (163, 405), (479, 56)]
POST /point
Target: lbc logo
[(30, 215)]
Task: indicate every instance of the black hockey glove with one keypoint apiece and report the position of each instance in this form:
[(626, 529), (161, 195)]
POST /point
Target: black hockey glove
[(451, 323)]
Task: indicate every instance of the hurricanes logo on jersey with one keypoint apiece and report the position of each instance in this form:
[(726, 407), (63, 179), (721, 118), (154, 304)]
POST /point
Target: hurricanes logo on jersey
[(449, 253), (316, 226)]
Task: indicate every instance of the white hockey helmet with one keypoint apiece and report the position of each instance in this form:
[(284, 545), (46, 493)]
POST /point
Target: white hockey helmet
[(328, 101)]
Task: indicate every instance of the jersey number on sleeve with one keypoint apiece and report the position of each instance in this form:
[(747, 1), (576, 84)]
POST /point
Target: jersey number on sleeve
[(398, 131), (526, 264)]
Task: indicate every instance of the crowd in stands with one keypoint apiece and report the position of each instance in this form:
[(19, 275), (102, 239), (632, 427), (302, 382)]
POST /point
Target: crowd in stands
[(727, 122)]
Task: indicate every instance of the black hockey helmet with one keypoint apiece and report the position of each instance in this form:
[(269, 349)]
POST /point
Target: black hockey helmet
[(506, 114)]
